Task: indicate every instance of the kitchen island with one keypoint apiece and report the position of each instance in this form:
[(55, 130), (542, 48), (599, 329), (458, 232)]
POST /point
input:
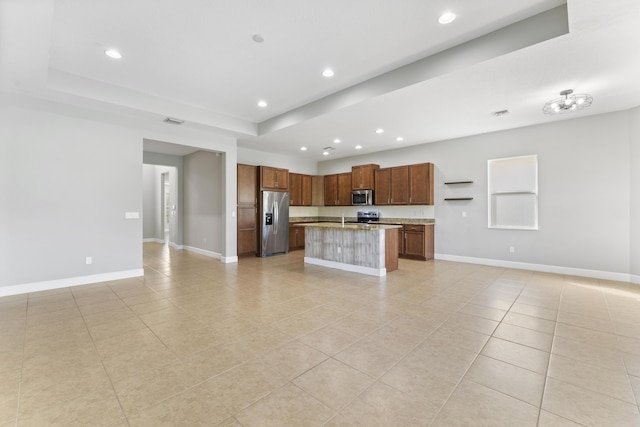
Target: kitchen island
[(362, 248)]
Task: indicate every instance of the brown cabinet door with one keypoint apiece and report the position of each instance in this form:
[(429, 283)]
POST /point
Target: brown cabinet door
[(382, 187), (282, 179), (414, 244), (330, 190), (267, 178), (247, 234), (317, 190), (247, 184), (401, 242), (274, 178), (295, 189), (296, 237), (306, 191), (362, 177), (421, 184), (344, 189), (400, 185)]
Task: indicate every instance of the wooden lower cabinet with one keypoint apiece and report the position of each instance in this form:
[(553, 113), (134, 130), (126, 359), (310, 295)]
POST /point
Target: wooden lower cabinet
[(416, 242), (247, 237), (296, 237)]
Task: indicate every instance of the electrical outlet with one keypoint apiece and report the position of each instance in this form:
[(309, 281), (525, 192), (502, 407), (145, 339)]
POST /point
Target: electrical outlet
[(88, 260), (464, 214), (512, 249)]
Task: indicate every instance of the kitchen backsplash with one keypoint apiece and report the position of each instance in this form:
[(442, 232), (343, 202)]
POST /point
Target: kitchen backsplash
[(413, 211)]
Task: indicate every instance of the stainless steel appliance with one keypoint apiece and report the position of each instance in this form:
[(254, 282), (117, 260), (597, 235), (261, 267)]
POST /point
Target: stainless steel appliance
[(368, 216), (362, 197), (274, 223)]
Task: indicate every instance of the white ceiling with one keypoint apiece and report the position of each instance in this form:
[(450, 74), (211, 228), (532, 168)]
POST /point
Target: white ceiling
[(196, 60)]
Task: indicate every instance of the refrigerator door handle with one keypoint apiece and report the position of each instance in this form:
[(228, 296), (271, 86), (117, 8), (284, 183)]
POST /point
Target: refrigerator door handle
[(275, 219)]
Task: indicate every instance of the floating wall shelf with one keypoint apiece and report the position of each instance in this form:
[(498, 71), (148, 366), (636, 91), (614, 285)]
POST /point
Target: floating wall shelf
[(451, 199)]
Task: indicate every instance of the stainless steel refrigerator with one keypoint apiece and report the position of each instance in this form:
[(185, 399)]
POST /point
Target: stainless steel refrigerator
[(274, 223)]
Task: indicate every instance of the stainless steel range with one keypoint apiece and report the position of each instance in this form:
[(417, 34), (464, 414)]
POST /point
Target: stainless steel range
[(368, 216)]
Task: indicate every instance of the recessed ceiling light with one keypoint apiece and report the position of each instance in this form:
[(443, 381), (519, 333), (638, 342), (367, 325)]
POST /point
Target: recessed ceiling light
[(325, 153), (379, 130), (113, 54), (328, 72), (447, 18), (399, 139), (258, 38), (358, 147), (303, 148), (262, 103), (337, 141)]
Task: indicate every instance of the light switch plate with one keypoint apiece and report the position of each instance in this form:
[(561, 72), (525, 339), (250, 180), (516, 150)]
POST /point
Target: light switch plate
[(132, 215)]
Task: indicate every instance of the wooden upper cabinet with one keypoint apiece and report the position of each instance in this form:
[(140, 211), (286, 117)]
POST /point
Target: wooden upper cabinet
[(274, 179), (331, 190), (337, 189), (382, 187), (306, 191), (421, 184), (362, 177), (400, 185), (299, 189), (344, 189), (317, 190), (247, 184), (295, 189)]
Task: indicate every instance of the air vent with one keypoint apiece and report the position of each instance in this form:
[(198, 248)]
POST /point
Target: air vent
[(329, 148), (173, 121), (500, 113)]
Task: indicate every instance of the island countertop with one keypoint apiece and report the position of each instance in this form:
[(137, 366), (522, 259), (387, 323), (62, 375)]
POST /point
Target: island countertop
[(349, 226)]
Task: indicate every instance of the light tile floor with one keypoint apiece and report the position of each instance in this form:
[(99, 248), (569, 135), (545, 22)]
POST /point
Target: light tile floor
[(272, 342)]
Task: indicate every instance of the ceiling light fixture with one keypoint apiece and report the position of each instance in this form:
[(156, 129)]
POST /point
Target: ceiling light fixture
[(337, 141), (303, 148), (328, 72), (262, 103), (399, 139), (325, 153), (113, 53), (379, 130), (358, 147), (447, 18), (567, 102)]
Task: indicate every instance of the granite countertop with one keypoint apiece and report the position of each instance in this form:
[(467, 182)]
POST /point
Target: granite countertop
[(360, 226), (383, 221)]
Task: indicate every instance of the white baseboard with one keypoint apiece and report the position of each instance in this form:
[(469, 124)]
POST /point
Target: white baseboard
[(635, 279), (71, 281), (569, 271), (228, 259), (152, 240), (204, 252)]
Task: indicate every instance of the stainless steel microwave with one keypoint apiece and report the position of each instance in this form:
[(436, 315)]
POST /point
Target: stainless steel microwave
[(362, 197)]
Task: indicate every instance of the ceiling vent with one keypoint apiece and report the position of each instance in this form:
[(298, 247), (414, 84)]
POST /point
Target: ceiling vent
[(173, 121), (500, 113)]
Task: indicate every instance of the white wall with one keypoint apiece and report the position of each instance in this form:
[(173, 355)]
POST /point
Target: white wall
[(68, 175), (153, 210), (584, 194), (203, 201), (66, 185), (634, 131), (175, 166)]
